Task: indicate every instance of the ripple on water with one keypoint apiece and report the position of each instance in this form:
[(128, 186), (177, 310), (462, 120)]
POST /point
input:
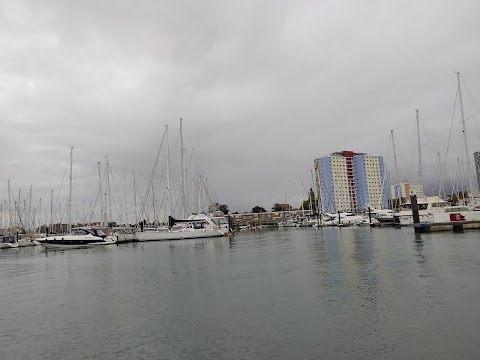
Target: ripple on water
[(271, 294)]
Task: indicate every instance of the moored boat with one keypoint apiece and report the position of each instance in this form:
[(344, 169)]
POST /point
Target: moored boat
[(8, 242), (195, 226), (427, 207), (80, 238)]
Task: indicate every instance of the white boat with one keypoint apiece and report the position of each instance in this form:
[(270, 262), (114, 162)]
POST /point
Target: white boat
[(384, 216), (346, 219), (124, 234), (427, 207), (8, 242), (288, 223), (80, 238), (456, 214), (195, 226)]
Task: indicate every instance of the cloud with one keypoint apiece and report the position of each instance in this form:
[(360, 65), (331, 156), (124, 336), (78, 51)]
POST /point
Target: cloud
[(263, 88)]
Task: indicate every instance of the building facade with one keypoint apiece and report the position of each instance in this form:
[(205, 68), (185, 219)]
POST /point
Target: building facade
[(404, 189), (351, 181)]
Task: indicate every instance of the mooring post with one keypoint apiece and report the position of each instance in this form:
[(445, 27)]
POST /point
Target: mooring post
[(416, 216)]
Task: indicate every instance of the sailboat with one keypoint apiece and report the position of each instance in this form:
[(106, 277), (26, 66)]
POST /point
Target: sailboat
[(434, 209), (80, 237), (197, 225)]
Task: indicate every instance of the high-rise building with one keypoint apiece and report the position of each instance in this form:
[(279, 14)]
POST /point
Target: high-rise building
[(351, 181), (404, 189)]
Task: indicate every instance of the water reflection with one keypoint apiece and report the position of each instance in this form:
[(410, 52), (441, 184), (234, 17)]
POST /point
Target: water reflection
[(291, 294), (418, 245)]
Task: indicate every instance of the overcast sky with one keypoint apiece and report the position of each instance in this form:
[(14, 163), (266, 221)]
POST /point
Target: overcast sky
[(264, 88)]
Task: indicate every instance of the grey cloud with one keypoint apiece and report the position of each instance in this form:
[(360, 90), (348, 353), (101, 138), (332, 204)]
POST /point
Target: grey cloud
[(263, 87)]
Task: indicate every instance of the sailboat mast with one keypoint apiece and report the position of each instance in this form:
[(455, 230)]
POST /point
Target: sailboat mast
[(182, 160), (109, 218), (51, 211), (168, 191), (467, 157), (70, 195), (135, 197), (125, 196), (441, 187), (101, 193), (420, 175), (396, 166)]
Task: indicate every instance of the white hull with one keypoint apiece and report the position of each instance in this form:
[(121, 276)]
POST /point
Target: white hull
[(454, 217), (407, 220), (27, 242), (82, 238), (178, 235), (78, 245), (62, 246), (9, 246)]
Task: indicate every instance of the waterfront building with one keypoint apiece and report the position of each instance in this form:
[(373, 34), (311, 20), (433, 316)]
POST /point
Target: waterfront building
[(350, 181), (404, 189)]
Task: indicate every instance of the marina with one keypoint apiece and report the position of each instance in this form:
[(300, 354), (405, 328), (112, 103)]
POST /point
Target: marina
[(292, 180), (282, 293)]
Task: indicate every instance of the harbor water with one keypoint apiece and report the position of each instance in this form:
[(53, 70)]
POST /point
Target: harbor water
[(334, 293)]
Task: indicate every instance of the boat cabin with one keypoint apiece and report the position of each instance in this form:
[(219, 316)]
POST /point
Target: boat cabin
[(92, 231)]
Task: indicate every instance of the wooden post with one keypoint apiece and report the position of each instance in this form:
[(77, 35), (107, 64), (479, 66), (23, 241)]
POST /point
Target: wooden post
[(416, 216)]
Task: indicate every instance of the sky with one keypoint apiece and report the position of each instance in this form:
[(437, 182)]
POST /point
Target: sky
[(263, 88)]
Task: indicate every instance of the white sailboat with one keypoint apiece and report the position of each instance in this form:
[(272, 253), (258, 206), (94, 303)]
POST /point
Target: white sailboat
[(198, 225), (79, 237)]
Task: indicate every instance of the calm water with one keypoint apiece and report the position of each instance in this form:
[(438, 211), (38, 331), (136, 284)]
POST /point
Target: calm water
[(353, 293)]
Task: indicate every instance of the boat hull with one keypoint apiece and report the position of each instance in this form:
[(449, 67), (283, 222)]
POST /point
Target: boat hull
[(71, 242), (177, 235)]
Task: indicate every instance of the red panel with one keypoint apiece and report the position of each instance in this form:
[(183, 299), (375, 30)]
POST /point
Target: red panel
[(457, 217)]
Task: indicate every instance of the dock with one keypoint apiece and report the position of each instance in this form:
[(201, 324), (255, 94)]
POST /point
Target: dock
[(457, 226)]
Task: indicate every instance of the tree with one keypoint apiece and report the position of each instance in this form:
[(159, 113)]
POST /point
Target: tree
[(258, 209), (223, 208), (281, 207), (218, 207), (306, 205)]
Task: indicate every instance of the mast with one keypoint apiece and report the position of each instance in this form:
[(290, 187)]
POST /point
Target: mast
[(109, 217), (192, 202), (461, 176), (396, 166), (135, 197), (51, 211), (168, 203), (125, 195), (182, 161), (70, 195), (420, 177), (155, 222), (101, 193), (441, 189), (467, 157)]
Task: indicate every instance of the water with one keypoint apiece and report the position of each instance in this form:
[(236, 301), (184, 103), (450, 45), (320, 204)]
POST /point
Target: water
[(352, 293)]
